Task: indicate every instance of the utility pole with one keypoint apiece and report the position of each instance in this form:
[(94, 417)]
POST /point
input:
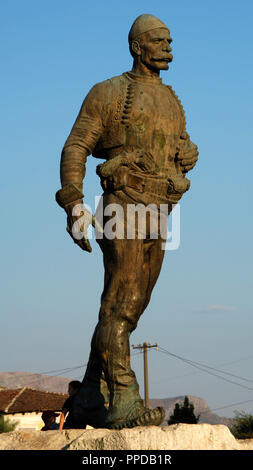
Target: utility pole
[(145, 347)]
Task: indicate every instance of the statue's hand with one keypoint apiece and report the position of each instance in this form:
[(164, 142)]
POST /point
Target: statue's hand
[(136, 158), (145, 161), (78, 222), (187, 154)]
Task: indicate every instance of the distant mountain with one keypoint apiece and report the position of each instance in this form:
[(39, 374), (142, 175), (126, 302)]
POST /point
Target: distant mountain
[(38, 381), (60, 385), (200, 407)]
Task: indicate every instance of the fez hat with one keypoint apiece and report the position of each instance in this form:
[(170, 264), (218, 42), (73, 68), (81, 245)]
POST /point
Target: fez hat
[(142, 24)]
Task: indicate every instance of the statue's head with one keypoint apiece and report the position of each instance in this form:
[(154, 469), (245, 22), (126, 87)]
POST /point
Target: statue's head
[(149, 42)]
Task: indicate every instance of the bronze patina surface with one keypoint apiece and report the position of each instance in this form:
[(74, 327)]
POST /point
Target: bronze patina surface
[(137, 125)]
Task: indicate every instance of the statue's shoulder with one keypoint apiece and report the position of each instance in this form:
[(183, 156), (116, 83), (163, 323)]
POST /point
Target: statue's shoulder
[(110, 85)]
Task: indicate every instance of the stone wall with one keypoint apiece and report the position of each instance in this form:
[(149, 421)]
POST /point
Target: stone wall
[(176, 437)]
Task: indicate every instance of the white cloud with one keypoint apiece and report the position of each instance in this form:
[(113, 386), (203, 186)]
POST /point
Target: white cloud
[(217, 308)]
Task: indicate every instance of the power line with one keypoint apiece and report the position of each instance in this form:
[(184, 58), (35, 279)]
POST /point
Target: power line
[(204, 410), (197, 365), (233, 404), (63, 371), (212, 368), (58, 370), (225, 406), (203, 365), (194, 373)]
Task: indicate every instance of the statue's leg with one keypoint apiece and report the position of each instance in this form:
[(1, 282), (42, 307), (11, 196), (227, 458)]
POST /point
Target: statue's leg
[(91, 403), (121, 305), (153, 259), (94, 375), (131, 270), (150, 263)]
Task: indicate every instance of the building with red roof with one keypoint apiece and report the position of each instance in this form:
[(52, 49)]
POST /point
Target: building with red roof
[(25, 406)]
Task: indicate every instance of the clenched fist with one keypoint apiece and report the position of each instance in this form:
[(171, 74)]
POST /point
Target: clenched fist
[(187, 154)]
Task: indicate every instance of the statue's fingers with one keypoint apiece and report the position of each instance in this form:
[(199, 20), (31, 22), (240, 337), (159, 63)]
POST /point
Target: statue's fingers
[(84, 242), (188, 168), (181, 154), (189, 157), (188, 161), (85, 245), (189, 151)]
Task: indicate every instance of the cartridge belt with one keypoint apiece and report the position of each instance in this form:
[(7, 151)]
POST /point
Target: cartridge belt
[(124, 179)]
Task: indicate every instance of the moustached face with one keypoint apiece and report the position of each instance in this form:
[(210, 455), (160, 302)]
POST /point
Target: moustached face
[(154, 49)]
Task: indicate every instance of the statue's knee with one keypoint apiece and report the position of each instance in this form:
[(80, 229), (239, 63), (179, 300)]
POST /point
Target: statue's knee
[(132, 309)]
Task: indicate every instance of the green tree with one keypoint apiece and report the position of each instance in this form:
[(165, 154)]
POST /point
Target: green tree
[(184, 413), (242, 427), (6, 425)]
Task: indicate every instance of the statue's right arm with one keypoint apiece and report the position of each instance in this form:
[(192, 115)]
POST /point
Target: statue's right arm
[(82, 139)]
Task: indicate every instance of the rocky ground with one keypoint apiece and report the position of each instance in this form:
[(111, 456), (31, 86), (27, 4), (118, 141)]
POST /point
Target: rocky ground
[(175, 437)]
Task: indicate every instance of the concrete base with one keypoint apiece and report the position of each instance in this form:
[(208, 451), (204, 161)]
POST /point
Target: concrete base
[(175, 437)]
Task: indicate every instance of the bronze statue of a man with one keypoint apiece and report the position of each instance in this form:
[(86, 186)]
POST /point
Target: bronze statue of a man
[(137, 124)]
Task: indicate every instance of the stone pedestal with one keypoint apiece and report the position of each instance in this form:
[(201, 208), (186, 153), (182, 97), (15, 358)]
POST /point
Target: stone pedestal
[(175, 437)]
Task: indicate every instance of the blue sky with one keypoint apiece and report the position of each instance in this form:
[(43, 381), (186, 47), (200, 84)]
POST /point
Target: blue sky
[(201, 308)]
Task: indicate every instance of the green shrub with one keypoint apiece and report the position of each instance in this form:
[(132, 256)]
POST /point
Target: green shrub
[(6, 425), (242, 427), (184, 413)]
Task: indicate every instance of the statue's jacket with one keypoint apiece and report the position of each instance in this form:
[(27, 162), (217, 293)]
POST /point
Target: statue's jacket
[(133, 113)]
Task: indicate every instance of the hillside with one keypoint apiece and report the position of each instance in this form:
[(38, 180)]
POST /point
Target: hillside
[(38, 381), (200, 407), (60, 385)]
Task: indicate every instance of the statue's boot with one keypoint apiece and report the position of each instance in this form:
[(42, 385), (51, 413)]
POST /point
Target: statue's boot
[(126, 407), (128, 411), (109, 368)]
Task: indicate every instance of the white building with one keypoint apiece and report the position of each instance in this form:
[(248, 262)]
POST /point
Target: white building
[(26, 405)]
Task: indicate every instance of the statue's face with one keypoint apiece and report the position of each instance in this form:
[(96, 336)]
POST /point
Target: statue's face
[(155, 49)]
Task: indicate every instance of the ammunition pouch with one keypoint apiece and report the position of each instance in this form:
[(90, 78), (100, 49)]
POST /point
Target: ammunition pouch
[(170, 190)]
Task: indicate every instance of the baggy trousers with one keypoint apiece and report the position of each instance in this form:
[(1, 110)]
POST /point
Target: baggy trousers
[(132, 267)]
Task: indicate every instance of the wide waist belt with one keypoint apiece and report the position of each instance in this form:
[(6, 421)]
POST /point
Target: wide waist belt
[(123, 178), (154, 186)]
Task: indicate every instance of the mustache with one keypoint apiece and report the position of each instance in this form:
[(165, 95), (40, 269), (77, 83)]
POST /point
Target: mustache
[(167, 58)]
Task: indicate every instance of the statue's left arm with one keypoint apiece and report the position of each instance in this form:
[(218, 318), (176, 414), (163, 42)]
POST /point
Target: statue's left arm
[(187, 152)]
